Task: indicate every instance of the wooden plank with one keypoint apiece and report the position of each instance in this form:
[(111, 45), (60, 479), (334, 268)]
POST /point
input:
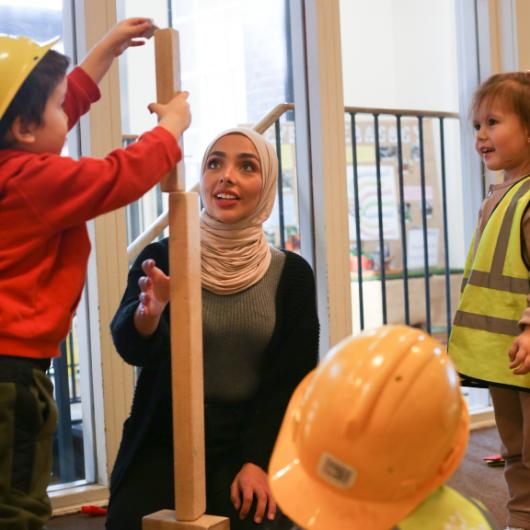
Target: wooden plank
[(186, 332), (166, 520), (186, 355), (167, 85)]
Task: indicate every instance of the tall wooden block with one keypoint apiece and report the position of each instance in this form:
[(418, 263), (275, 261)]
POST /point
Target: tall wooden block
[(186, 355), (167, 54)]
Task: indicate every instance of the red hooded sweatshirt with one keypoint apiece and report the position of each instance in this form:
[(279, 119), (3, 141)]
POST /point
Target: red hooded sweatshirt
[(45, 201)]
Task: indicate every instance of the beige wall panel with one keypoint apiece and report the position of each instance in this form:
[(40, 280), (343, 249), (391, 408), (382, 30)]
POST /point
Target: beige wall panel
[(523, 33), (326, 102), (111, 244)]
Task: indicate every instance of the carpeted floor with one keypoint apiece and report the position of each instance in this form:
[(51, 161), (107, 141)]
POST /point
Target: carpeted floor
[(77, 522), (476, 479), (473, 478)]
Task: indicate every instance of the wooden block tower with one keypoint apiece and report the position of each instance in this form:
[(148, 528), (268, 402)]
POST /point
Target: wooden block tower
[(186, 329)]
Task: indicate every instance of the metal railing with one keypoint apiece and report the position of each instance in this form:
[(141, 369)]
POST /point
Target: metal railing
[(354, 115), (398, 115)]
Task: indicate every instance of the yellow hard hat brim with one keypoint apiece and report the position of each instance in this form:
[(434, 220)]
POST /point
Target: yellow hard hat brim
[(18, 58), (314, 506)]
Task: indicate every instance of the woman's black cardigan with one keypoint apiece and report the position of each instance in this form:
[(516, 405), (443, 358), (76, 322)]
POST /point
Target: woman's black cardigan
[(291, 353)]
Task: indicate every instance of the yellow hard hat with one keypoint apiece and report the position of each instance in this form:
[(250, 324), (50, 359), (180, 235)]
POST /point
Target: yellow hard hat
[(370, 433), (18, 57)]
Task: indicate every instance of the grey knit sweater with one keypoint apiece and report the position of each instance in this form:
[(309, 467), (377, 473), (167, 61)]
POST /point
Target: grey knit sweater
[(246, 395), (236, 331)]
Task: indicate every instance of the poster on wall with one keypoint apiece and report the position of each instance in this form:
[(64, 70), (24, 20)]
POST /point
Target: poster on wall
[(415, 247), (368, 206)]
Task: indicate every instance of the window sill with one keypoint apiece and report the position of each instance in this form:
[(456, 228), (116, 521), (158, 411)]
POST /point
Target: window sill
[(70, 499)]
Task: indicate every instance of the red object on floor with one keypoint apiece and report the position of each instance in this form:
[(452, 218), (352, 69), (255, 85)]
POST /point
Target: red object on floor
[(493, 457), (494, 460), (93, 510)]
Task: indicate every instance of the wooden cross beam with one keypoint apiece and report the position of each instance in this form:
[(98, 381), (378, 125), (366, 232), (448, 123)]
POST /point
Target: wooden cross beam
[(186, 330)]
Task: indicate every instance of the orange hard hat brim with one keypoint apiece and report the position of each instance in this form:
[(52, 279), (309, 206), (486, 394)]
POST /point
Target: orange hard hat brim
[(314, 506)]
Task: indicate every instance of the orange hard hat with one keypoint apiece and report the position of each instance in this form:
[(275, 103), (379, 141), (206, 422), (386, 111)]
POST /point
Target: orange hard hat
[(370, 433), (18, 58)]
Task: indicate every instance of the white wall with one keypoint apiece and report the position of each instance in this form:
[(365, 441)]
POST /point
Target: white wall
[(403, 54), (219, 47), (399, 54)]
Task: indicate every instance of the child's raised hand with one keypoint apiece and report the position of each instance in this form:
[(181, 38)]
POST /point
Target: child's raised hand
[(174, 116), (128, 32), (519, 353), (154, 290)]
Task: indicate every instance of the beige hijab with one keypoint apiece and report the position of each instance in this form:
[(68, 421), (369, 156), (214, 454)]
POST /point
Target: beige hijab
[(236, 256)]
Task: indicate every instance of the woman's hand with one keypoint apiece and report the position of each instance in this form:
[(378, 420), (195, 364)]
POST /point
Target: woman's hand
[(249, 482), (519, 353), (154, 289), (153, 297)]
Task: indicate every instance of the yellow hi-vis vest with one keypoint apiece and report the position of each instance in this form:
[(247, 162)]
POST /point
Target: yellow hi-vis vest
[(446, 509), (494, 295)]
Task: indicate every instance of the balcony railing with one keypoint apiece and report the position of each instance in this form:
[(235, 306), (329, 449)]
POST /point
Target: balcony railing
[(431, 188)]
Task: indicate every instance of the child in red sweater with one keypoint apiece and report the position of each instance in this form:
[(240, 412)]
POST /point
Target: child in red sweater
[(45, 201)]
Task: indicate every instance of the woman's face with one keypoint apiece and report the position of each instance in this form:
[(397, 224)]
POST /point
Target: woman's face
[(231, 184)]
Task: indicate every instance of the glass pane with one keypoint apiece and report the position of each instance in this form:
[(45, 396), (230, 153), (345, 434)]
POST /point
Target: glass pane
[(406, 263), (42, 20), (400, 54), (39, 19), (236, 72)]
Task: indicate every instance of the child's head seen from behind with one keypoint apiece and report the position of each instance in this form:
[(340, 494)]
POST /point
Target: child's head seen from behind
[(31, 114), (501, 118)]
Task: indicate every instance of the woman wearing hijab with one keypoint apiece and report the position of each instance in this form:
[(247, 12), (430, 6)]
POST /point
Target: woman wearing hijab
[(260, 338)]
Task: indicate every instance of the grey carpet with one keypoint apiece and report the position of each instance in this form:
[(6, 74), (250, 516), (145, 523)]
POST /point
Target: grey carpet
[(476, 479)]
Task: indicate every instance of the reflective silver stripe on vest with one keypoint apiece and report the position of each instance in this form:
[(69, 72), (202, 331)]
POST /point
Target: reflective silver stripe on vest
[(488, 323), (495, 278), (498, 281)]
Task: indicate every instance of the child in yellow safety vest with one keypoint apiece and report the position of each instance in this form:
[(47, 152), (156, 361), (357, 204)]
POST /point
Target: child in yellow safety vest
[(371, 436), (490, 340)]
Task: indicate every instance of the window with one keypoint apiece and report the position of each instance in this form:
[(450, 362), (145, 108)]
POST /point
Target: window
[(236, 72), (407, 254)]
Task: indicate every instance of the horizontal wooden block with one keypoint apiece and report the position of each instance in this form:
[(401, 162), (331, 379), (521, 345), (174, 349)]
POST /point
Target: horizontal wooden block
[(165, 520)]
